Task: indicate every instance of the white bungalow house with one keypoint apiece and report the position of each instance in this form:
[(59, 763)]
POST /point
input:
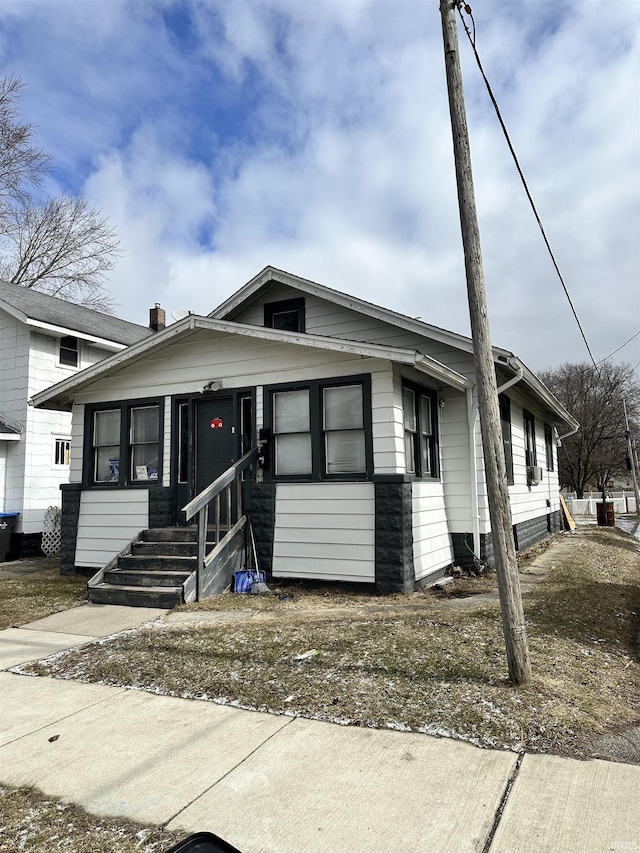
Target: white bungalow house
[(43, 340), (346, 432)]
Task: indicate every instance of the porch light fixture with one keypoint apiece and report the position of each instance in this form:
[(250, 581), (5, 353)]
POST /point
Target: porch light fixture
[(212, 385)]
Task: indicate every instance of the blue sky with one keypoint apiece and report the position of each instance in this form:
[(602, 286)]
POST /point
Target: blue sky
[(219, 137)]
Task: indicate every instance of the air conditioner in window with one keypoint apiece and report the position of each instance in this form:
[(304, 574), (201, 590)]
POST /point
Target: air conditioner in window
[(534, 475)]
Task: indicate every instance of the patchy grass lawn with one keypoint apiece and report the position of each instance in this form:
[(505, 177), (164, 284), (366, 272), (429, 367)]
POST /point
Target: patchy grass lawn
[(416, 663), (38, 594), (33, 823)]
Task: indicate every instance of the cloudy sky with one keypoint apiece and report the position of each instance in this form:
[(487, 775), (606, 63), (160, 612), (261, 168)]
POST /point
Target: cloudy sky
[(219, 136)]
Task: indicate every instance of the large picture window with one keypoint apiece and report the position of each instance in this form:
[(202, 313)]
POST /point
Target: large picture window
[(420, 433), (125, 445), (321, 430)]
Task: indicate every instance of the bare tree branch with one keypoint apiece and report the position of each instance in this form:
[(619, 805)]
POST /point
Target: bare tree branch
[(59, 245), (22, 164), (598, 452)]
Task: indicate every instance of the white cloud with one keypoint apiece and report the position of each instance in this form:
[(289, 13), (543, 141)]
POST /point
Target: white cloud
[(315, 136)]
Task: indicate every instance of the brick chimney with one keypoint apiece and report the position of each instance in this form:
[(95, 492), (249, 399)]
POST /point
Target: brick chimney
[(157, 318)]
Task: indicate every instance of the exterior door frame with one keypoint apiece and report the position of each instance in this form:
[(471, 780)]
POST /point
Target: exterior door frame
[(183, 439)]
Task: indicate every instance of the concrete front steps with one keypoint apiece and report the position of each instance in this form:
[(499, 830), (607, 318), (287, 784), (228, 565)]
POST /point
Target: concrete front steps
[(157, 569)]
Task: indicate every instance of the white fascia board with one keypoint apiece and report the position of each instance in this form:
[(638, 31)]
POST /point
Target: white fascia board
[(385, 315), (545, 395), (9, 436), (434, 368), (400, 355), (62, 332), (13, 311), (61, 392)]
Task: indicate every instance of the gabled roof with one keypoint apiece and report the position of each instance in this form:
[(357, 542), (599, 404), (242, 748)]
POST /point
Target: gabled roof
[(505, 360), (9, 430), (221, 320), (231, 307), (65, 318), (61, 395)]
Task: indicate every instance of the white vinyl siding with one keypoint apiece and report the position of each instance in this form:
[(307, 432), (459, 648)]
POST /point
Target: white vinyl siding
[(30, 363), (431, 541), (108, 520), (455, 462), (325, 531), (326, 318)]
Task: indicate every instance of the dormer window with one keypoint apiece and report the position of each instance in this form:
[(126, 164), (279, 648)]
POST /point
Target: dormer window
[(287, 315), (69, 351)]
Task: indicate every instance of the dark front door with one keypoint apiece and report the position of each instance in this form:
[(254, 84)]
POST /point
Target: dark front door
[(215, 440)]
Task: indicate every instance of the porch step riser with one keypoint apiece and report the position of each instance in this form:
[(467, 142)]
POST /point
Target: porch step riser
[(170, 534), (158, 564), (166, 598), (164, 549), (142, 579)]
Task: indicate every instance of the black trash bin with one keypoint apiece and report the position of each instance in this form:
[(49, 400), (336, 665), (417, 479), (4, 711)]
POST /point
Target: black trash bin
[(203, 842), (8, 521)]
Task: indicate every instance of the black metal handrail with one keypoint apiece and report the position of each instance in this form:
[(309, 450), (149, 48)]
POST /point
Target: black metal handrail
[(199, 506)]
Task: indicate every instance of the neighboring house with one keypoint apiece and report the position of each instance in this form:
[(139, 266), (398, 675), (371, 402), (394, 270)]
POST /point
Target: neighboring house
[(369, 452), (43, 340)]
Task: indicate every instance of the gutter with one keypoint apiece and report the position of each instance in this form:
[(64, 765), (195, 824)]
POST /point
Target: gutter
[(519, 369)]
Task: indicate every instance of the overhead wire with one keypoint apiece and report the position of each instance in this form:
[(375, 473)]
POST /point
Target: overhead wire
[(472, 41), (632, 338)]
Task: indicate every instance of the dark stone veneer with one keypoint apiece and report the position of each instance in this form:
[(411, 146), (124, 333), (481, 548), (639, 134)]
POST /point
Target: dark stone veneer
[(526, 534), (394, 537), (262, 512)]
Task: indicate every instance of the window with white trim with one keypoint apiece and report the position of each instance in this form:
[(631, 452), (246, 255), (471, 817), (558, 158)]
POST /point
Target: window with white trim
[(61, 451), (68, 352)]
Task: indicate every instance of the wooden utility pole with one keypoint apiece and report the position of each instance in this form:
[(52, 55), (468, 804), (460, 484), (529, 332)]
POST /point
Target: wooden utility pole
[(513, 624)]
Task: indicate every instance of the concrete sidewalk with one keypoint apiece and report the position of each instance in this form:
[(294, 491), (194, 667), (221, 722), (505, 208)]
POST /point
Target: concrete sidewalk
[(282, 784)]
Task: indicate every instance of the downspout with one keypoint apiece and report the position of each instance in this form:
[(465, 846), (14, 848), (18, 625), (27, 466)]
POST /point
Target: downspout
[(514, 379), (566, 435), (472, 420)]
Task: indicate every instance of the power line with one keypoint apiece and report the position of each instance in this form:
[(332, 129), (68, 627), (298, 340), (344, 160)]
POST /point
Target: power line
[(472, 41), (632, 338)]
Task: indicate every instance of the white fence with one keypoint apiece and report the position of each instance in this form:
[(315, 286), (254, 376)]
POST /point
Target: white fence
[(623, 503)]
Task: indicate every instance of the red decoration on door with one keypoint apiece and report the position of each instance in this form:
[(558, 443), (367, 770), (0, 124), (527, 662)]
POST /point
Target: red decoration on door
[(216, 423)]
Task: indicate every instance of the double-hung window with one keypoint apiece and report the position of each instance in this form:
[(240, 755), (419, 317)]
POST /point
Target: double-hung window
[(548, 446), (505, 426), (321, 430), (292, 431), (343, 427), (531, 456), (124, 444), (420, 432), (68, 352)]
